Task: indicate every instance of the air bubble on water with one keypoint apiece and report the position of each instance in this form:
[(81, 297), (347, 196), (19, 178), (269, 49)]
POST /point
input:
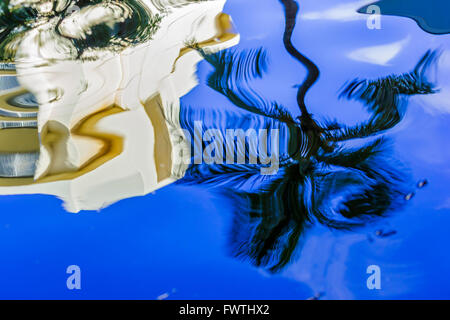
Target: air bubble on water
[(422, 183), (409, 196)]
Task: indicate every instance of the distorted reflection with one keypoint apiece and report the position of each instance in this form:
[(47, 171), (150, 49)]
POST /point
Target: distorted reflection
[(106, 78), (320, 179), (90, 112)]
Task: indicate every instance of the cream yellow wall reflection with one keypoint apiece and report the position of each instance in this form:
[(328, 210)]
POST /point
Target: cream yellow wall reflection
[(102, 123)]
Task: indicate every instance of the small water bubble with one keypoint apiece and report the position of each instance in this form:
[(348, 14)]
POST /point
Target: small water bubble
[(163, 296), (382, 234), (317, 296), (409, 196), (422, 183)]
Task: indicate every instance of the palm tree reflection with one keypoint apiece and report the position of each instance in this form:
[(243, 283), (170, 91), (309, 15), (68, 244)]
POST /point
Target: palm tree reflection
[(320, 179)]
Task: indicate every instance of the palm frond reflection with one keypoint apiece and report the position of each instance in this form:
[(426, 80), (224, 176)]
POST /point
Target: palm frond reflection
[(320, 179)]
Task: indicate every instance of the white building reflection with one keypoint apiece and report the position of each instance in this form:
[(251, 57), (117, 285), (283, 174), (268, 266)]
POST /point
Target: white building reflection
[(98, 128)]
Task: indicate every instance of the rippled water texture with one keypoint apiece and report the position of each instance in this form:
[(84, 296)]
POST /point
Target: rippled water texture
[(258, 149)]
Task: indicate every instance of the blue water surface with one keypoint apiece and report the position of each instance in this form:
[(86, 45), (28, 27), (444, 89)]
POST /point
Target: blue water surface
[(174, 241)]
